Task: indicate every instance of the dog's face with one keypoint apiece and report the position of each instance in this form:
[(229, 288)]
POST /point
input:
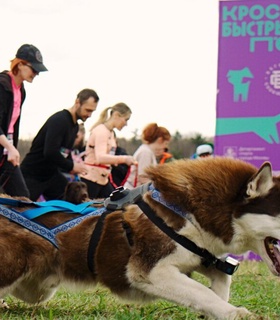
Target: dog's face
[(262, 217), (234, 204), (76, 192)]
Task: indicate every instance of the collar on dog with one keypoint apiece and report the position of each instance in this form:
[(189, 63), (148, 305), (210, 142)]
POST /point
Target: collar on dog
[(121, 197)]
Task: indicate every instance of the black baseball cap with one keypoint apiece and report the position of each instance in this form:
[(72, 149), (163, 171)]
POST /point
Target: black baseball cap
[(31, 54)]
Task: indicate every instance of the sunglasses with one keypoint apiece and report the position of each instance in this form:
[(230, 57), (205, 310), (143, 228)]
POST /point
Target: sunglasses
[(33, 70)]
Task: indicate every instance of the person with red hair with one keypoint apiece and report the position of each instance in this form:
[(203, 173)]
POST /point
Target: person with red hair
[(155, 140), (26, 65)]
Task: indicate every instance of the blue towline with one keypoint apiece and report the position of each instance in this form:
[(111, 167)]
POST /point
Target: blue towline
[(85, 210), (24, 218)]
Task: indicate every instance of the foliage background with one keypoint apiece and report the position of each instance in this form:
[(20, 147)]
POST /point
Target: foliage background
[(180, 146)]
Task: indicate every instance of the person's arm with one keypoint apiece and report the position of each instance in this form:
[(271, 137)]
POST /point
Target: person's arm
[(145, 158), (56, 131), (4, 99), (12, 153)]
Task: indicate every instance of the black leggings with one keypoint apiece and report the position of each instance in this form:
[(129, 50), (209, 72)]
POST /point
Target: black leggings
[(51, 189), (12, 181), (96, 191)]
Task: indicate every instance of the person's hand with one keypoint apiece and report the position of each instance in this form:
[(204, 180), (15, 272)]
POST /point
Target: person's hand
[(130, 160), (13, 156), (79, 168)]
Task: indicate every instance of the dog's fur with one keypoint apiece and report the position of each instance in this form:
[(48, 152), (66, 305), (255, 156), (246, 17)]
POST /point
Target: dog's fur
[(232, 206)]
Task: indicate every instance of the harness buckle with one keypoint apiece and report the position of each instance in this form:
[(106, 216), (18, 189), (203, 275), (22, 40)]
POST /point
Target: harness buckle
[(229, 265), (117, 199), (121, 197), (118, 193)]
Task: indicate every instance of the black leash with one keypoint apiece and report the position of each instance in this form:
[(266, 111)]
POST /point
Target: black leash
[(6, 174)]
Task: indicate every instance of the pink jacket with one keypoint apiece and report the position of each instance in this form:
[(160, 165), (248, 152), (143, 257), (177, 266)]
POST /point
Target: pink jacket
[(100, 154)]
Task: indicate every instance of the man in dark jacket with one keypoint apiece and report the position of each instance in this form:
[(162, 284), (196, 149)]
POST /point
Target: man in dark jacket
[(50, 152)]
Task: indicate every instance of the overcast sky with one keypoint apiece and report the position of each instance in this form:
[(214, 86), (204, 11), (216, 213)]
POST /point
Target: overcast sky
[(157, 56)]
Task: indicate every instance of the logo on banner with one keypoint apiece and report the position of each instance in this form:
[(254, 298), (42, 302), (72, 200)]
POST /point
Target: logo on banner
[(272, 79)]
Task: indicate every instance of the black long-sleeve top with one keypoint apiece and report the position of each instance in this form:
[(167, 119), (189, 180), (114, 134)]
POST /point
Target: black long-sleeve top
[(7, 106), (51, 148)]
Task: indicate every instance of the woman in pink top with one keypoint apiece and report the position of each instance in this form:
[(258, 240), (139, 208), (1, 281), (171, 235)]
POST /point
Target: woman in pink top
[(26, 65), (101, 148)]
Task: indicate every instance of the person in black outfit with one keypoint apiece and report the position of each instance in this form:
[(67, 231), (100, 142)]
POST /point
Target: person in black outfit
[(50, 152), (120, 172), (26, 65)]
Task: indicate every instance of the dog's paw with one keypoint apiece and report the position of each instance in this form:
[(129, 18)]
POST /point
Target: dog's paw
[(256, 317), (240, 313), (3, 304), (243, 313)]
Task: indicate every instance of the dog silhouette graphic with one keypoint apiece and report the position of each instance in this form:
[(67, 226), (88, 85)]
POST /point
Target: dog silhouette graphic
[(241, 83)]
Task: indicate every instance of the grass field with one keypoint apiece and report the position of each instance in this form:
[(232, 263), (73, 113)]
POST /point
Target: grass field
[(252, 287)]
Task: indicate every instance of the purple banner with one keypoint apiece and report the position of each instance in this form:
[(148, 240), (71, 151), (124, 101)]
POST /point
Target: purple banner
[(248, 98)]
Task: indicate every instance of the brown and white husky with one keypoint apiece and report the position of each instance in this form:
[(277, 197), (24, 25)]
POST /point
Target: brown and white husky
[(225, 206)]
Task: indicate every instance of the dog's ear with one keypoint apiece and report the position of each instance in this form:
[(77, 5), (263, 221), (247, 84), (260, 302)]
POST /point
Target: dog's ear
[(261, 182)]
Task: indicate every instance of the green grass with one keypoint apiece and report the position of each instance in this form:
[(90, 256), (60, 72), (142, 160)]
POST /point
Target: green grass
[(252, 287)]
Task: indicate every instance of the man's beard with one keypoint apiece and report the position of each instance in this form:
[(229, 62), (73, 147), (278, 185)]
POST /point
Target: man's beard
[(79, 117)]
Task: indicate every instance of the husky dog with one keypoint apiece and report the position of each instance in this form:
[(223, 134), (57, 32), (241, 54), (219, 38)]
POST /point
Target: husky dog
[(216, 205)]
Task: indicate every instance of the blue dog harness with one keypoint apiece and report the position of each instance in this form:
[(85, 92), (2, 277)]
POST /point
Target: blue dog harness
[(24, 218)]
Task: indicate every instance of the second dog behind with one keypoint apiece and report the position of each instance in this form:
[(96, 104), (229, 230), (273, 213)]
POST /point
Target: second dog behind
[(76, 192)]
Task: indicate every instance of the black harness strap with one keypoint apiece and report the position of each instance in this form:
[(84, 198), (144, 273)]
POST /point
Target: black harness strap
[(94, 240), (96, 234), (227, 265), (208, 258)]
